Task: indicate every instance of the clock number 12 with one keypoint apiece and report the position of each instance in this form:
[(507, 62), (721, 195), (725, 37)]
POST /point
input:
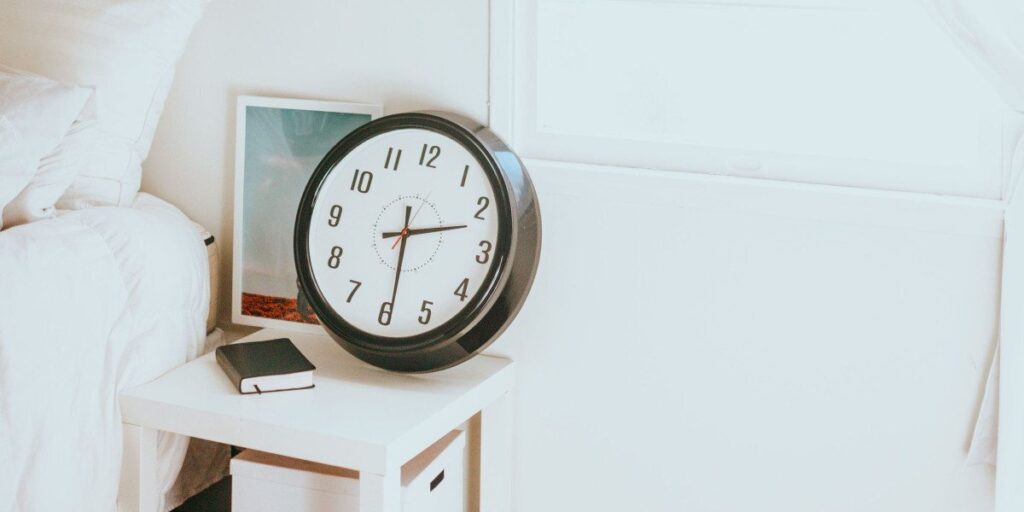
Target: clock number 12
[(429, 151)]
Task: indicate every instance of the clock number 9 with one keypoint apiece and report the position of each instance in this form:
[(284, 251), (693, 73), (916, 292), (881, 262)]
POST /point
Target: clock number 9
[(335, 216), (485, 256), (335, 258), (384, 317)]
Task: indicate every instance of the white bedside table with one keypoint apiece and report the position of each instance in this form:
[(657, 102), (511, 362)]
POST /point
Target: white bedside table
[(357, 416)]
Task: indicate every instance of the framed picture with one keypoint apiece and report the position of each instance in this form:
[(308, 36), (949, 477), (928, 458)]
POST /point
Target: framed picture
[(278, 144)]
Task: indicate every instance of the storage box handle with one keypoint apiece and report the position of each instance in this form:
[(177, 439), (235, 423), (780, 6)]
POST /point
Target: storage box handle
[(437, 480)]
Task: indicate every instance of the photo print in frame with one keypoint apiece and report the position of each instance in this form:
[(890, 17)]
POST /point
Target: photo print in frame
[(278, 144)]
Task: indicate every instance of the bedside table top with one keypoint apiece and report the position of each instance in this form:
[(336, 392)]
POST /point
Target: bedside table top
[(357, 416)]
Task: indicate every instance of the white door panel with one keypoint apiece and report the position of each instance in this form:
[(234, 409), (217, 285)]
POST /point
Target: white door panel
[(874, 97)]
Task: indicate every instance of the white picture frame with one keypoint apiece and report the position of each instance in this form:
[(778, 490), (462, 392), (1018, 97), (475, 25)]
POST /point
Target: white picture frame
[(278, 143)]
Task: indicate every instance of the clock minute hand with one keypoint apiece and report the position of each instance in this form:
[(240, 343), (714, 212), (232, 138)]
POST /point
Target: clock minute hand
[(421, 231), (401, 254)]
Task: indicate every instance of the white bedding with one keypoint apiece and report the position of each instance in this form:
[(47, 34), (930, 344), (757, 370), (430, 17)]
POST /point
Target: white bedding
[(91, 302)]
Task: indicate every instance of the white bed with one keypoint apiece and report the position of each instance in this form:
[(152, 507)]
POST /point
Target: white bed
[(114, 290), (93, 301)]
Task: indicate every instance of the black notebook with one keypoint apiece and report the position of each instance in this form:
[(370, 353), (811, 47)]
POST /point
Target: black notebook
[(264, 366)]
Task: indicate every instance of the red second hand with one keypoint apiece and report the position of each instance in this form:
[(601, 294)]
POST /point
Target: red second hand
[(405, 230), (403, 234)]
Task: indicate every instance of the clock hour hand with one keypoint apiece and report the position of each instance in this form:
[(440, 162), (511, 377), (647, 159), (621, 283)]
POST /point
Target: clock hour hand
[(421, 231), (401, 254)]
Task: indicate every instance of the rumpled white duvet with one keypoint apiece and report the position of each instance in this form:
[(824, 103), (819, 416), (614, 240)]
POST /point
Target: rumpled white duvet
[(91, 302)]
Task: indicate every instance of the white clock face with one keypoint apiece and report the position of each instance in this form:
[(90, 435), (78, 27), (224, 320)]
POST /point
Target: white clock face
[(403, 233)]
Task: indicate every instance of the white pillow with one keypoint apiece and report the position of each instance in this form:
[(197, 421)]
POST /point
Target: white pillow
[(127, 51), (14, 167), (56, 172), (35, 115)]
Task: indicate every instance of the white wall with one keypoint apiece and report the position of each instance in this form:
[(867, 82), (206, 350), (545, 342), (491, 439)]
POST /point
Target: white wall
[(692, 342)]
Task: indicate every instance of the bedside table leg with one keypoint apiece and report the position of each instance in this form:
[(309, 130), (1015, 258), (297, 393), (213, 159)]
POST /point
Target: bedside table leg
[(496, 455), (380, 493), (139, 490)]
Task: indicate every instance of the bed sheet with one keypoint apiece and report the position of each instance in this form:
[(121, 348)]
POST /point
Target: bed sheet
[(91, 302)]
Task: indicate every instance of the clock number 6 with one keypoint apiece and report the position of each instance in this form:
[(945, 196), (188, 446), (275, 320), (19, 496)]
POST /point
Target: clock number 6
[(425, 317), (485, 256), (384, 318), (335, 258)]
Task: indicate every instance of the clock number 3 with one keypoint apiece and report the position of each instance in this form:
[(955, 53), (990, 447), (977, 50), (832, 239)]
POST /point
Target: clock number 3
[(484, 256)]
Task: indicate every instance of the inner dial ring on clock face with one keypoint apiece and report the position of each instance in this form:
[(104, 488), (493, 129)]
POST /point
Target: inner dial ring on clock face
[(425, 214)]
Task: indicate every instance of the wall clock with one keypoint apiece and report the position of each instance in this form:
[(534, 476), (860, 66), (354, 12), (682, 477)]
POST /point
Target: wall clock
[(417, 240)]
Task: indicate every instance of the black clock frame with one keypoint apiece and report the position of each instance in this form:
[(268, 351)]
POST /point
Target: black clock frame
[(495, 304)]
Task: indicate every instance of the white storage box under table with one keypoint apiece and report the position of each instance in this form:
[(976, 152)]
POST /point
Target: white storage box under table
[(358, 417), (433, 481)]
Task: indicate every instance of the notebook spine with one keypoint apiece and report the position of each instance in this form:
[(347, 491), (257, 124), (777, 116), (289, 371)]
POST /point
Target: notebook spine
[(229, 370)]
